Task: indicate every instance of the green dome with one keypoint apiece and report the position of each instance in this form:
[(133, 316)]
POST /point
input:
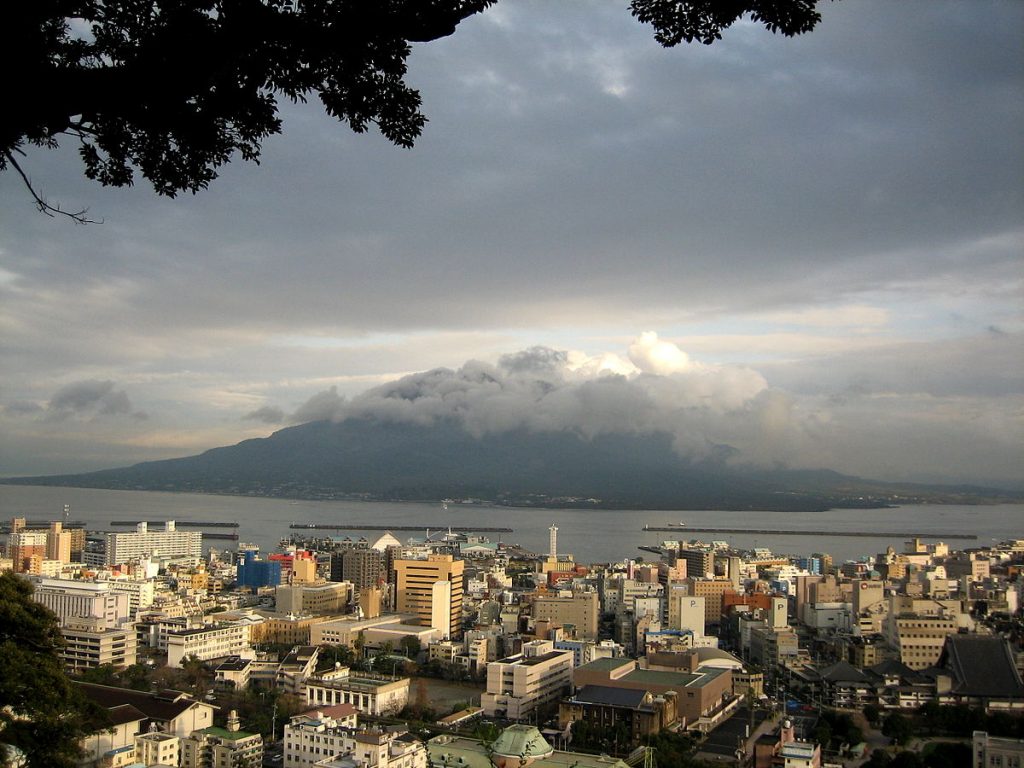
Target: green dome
[(522, 741)]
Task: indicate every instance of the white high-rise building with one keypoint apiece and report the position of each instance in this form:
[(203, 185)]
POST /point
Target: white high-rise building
[(166, 544), (553, 542)]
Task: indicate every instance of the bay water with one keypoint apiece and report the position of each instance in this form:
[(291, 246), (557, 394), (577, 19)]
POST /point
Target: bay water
[(591, 535)]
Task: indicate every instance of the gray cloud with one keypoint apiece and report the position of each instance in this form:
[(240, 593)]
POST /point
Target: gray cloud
[(91, 397), (23, 408), (321, 406), (268, 414)]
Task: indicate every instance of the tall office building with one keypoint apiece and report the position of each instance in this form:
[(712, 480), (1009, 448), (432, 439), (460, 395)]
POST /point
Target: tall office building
[(417, 594), (363, 567), (700, 563)]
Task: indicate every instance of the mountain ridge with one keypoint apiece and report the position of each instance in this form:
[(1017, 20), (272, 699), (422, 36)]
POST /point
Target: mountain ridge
[(369, 458)]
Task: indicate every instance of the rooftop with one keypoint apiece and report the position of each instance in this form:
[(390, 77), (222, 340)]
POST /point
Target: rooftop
[(224, 733)]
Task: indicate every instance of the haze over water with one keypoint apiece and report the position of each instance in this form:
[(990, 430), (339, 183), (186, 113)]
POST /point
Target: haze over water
[(591, 535)]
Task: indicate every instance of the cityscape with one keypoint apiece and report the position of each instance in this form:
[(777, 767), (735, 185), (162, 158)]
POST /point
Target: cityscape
[(374, 651), (512, 384)]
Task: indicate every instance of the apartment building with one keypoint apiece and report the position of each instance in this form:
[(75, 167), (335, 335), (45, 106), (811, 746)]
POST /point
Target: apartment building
[(166, 544), (519, 685)]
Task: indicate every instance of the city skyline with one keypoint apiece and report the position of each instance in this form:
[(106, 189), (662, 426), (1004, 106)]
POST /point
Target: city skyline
[(814, 242)]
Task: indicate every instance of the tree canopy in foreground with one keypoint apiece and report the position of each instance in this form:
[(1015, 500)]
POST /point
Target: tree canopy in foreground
[(173, 89), (42, 714)]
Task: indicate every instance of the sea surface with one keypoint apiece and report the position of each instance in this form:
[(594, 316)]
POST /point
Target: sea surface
[(591, 535)]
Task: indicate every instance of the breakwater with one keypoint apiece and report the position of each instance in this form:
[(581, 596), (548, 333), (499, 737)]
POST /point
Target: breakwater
[(363, 527), (789, 532), (178, 523)]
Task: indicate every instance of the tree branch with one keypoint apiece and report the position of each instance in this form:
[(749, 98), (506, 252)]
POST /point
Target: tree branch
[(79, 217)]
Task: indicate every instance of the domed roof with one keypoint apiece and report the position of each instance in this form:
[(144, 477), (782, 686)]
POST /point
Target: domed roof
[(522, 741), (716, 658), (385, 541)]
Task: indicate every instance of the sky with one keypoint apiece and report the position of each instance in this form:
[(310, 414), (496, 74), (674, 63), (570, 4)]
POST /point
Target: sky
[(808, 250)]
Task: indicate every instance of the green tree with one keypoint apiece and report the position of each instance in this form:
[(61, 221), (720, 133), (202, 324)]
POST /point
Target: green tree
[(174, 89), (104, 674), (873, 714), (410, 645), (898, 727), (43, 715)]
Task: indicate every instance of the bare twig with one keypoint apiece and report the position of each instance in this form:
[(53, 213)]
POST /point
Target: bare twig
[(79, 217)]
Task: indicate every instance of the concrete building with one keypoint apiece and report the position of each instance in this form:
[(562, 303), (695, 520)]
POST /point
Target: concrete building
[(215, 747), (519, 685), (328, 734), (704, 695), (919, 638), (90, 643), (210, 642), (700, 563), (370, 693), (23, 546), (581, 610), (156, 748), (329, 597), (686, 612), (712, 590), (164, 545), (994, 752), (365, 567), (416, 592), (72, 599)]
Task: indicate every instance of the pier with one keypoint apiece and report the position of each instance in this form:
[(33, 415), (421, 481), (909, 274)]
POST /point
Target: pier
[(779, 532), (453, 528)]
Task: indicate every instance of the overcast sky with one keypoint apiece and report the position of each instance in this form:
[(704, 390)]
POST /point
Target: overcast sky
[(809, 249)]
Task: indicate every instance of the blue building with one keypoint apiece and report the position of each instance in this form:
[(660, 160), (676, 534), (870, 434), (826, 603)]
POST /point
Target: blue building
[(255, 573)]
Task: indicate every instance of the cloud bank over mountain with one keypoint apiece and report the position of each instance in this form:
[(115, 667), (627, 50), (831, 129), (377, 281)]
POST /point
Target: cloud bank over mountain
[(655, 387)]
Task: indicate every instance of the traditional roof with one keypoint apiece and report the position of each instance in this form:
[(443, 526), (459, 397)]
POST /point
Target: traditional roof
[(843, 672), (162, 706), (124, 713), (982, 665), (895, 668)]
